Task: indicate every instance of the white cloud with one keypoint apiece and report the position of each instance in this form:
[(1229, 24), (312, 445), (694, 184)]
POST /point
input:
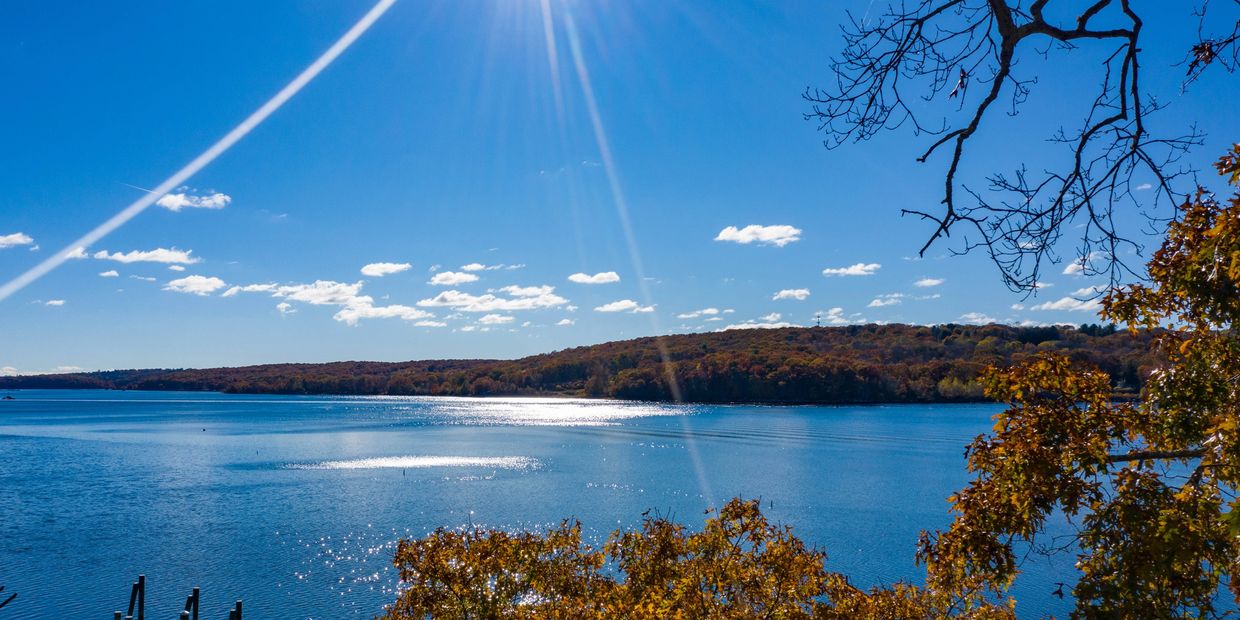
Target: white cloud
[(890, 299), (1018, 306), (697, 313), (527, 291), (778, 235), (482, 267), (798, 294), (426, 323), (452, 278), (1144, 186), (565, 322), (158, 255), (378, 270), (928, 282), (468, 328), (14, 240), (770, 321), (859, 269), (753, 325), (111, 273), (624, 305), (143, 278), (54, 302), (250, 288), (76, 253), (362, 307), (1070, 304), (491, 303), (495, 319), (1088, 291), (836, 316), (977, 318), (320, 293), (603, 277), (1082, 264), (176, 202), (285, 308), (176, 268), (195, 285)]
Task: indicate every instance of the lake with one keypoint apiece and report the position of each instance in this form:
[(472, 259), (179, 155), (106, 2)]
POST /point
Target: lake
[(294, 503)]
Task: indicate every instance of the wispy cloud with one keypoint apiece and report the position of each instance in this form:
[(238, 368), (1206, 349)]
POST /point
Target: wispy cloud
[(565, 322), (495, 319), (977, 318), (285, 308), (777, 235), (186, 200), (928, 282), (527, 291), (452, 278), (482, 267), (1083, 264), (1070, 304), (158, 255), (836, 316), (195, 285), (859, 269), (770, 321), (176, 268), (250, 288), (362, 307), (799, 294), (14, 240), (603, 277), (378, 270), (55, 303), (890, 299), (697, 313), (491, 303), (111, 273), (624, 305)]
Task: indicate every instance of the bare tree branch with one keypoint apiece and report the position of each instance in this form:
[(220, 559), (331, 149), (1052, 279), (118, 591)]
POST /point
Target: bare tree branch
[(891, 71)]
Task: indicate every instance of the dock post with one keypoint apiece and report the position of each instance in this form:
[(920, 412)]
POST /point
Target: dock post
[(141, 597)]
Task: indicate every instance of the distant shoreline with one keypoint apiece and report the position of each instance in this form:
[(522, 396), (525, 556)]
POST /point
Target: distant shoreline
[(847, 365)]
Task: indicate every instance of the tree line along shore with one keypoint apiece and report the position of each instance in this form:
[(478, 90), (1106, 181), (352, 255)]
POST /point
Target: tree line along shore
[(809, 365)]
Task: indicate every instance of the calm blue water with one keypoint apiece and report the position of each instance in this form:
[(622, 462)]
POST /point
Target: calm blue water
[(294, 504)]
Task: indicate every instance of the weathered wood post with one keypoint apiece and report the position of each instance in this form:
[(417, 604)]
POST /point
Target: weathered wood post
[(116, 616), (194, 612), (141, 597)]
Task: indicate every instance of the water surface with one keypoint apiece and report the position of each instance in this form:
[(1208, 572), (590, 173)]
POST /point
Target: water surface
[(294, 504)]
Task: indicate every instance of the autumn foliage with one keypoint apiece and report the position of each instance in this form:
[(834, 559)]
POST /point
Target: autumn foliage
[(1149, 486)]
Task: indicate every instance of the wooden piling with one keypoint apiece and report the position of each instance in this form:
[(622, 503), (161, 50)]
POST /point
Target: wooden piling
[(141, 597)]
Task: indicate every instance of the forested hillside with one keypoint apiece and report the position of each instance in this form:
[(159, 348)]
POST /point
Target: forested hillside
[(852, 364)]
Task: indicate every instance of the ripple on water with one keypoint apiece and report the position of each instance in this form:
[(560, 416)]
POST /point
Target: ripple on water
[(423, 462)]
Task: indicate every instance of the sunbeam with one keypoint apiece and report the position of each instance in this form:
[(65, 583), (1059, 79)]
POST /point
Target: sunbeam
[(205, 158), (622, 210)]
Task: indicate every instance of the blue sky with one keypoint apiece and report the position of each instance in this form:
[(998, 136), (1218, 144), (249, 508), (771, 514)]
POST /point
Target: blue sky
[(436, 145)]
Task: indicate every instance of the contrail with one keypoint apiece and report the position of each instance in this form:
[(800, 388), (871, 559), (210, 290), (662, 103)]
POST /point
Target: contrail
[(207, 156)]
